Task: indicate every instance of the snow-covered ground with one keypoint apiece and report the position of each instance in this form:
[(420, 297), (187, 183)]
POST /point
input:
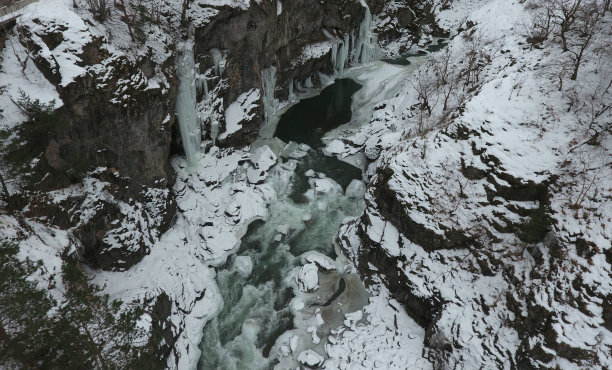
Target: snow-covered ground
[(473, 178)]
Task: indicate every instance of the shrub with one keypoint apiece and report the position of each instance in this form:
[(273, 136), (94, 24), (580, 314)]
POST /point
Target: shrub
[(34, 109)]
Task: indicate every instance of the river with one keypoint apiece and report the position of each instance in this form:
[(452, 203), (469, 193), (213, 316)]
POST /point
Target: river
[(288, 285)]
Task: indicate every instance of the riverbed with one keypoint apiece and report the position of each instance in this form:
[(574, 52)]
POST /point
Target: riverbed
[(289, 286)]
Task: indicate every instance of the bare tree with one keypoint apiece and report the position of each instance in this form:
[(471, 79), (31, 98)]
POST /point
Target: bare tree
[(564, 16), (427, 95), (477, 56), (586, 20), (98, 8), (128, 20), (446, 80), (538, 28)]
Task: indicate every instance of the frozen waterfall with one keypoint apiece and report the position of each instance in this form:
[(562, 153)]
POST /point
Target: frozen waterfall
[(366, 47), (363, 49), (186, 100), (268, 85)]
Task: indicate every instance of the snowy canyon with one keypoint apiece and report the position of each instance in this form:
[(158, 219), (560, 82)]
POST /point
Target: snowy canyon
[(338, 184)]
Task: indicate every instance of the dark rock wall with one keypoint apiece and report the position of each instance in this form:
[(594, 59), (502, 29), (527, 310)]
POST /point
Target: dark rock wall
[(258, 38), (110, 116)]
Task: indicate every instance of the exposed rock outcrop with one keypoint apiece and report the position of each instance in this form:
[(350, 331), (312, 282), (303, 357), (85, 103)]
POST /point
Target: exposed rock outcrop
[(117, 110)]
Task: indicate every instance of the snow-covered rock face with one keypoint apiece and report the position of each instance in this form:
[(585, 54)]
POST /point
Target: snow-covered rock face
[(472, 217), (116, 105)]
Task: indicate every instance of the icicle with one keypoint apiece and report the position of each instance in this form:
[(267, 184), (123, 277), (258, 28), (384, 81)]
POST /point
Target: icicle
[(189, 123), (339, 55), (359, 49), (366, 48), (308, 83), (268, 84), (334, 55), (205, 84), (344, 52), (214, 128), (292, 96), (219, 60)]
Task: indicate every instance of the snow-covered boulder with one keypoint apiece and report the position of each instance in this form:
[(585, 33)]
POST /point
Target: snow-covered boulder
[(324, 186), (232, 212), (356, 189), (323, 262), (310, 358), (335, 147), (243, 265), (307, 278), (262, 160)]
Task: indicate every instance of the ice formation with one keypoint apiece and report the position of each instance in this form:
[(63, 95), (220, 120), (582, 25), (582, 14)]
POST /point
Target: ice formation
[(356, 49), (186, 100), (268, 83)]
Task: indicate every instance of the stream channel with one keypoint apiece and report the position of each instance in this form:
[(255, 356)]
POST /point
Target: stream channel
[(288, 286)]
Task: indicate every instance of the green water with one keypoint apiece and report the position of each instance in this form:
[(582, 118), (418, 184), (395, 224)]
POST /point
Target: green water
[(256, 307), (307, 121)]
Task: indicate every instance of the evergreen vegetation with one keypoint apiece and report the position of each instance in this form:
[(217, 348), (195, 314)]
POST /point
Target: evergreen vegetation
[(85, 331)]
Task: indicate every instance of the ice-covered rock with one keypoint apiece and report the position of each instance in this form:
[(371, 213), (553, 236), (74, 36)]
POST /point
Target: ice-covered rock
[(296, 304), (335, 147), (307, 278), (309, 173), (293, 151), (243, 265), (356, 189), (323, 262), (324, 186), (294, 342), (256, 176), (232, 212), (263, 158), (315, 338), (304, 147), (310, 358), (352, 318), (283, 229)]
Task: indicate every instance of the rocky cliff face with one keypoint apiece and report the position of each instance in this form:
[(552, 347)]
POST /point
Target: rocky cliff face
[(117, 109), (289, 36), (295, 38)]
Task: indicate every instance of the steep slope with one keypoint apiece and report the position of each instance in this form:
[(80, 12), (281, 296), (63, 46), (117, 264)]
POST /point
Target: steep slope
[(489, 201)]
